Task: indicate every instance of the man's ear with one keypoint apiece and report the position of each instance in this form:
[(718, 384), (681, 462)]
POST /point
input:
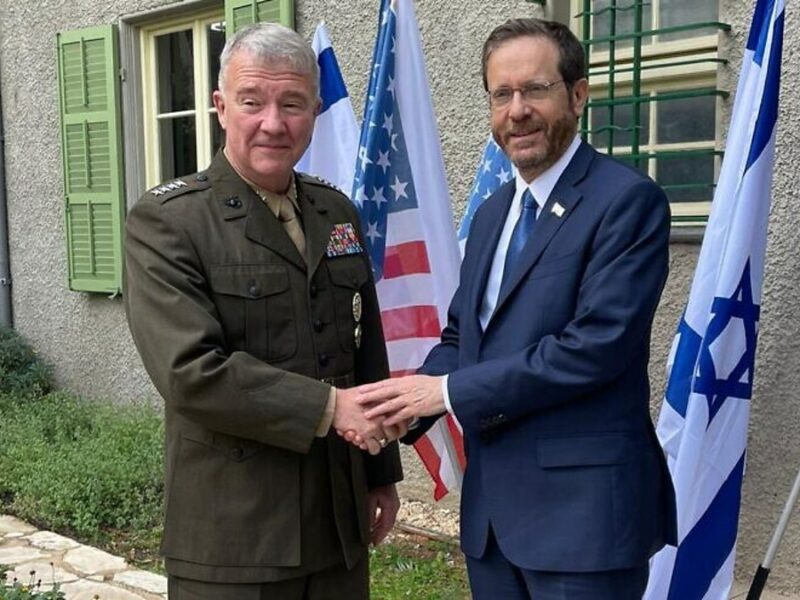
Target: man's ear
[(219, 104), (580, 96)]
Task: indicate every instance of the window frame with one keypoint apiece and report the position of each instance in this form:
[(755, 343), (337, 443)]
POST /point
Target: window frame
[(705, 75), (201, 112), (132, 85)]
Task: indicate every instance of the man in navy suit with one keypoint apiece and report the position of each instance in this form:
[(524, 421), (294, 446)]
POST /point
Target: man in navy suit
[(544, 358)]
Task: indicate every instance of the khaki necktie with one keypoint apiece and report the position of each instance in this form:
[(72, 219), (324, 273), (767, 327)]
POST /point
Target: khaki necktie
[(283, 207), (288, 216)]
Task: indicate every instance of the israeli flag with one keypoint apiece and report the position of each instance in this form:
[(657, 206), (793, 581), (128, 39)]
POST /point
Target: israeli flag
[(703, 422), (334, 145), (493, 171)]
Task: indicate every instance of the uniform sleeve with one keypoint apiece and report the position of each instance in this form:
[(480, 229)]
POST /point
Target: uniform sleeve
[(177, 330)]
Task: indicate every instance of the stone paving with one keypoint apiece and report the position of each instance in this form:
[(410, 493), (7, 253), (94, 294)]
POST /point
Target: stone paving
[(86, 573), (83, 572)]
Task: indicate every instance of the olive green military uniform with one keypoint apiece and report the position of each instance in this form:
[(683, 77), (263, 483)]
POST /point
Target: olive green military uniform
[(243, 338)]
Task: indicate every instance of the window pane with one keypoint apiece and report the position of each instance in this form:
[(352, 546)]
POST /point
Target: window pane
[(178, 147), (217, 134), (216, 41), (686, 120), (175, 71), (601, 24), (694, 174), (623, 117), (673, 13)]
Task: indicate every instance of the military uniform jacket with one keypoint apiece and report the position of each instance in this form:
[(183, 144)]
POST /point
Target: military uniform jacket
[(242, 338)]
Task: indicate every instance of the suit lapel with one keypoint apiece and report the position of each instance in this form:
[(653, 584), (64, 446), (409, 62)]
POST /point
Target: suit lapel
[(558, 208), (495, 214)]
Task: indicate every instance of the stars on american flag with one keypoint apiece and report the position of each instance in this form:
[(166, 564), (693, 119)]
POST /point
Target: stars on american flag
[(384, 183), (493, 171)]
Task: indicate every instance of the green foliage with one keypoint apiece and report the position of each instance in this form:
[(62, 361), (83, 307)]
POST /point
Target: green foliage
[(95, 472), (81, 467), (32, 590), (21, 370), (412, 567)]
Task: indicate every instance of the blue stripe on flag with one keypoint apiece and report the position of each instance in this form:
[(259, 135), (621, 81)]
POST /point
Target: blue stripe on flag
[(682, 372), (331, 85), (707, 546), (759, 29), (768, 112)]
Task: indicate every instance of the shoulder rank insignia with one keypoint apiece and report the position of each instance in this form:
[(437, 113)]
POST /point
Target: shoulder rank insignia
[(168, 187), (176, 187), (317, 180)]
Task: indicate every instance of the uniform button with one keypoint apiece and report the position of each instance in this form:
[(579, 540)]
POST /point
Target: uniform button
[(323, 359), (233, 202), (202, 177), (313, 290), (252, 288), (237, 452), (317, 325)]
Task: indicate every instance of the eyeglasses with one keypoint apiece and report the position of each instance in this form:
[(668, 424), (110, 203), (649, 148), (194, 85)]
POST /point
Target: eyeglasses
[(531, 92)]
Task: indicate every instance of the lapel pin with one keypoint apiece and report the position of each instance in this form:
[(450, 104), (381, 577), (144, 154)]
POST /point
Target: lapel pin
[(557, 210)]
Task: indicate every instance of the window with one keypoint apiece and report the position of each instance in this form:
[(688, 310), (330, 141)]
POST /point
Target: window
[(180, 66), (654, 98)]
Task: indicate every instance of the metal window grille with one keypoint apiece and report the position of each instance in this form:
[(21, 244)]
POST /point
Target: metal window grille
[(633, 64)]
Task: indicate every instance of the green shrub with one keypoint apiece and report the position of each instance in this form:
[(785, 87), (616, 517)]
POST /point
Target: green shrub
[(80, 467), (21, 369)]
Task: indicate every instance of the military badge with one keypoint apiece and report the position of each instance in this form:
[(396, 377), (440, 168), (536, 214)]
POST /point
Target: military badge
[(357, 307), (343, 241), (357, 336)]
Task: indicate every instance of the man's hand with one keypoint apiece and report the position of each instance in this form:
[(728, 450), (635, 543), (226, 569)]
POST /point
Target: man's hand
[(349, 416), (390, 434), (383, 504), (402, 399)]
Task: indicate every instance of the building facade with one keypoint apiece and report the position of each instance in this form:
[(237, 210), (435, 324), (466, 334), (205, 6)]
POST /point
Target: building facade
[(164, 126)]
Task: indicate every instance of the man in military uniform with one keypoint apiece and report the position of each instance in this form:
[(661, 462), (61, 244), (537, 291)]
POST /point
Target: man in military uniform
[(251, 301)]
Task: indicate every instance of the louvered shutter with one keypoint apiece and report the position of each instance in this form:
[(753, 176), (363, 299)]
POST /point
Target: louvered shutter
[(92, 156), (244, 12)]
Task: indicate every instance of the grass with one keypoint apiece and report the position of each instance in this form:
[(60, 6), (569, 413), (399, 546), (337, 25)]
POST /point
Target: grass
[(94, 472)]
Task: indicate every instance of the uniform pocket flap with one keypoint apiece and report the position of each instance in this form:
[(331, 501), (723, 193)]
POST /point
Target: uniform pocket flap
[(235, 448), (249, 281), (580, 451), (348, 272)]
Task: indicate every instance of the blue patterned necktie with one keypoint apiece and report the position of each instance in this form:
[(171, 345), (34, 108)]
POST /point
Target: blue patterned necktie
[(519, 237)]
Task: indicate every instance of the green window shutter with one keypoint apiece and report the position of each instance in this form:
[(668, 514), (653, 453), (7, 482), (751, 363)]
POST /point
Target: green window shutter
[(92, 154), (239, 13)]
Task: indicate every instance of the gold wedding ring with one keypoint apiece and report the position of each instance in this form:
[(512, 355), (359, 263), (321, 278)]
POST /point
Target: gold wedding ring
[(383, 442)]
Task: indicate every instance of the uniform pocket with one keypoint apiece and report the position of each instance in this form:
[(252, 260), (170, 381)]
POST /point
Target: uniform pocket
[(256, 308)]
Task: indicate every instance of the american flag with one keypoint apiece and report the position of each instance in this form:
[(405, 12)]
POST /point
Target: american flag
[(401, 192), (493, 171)]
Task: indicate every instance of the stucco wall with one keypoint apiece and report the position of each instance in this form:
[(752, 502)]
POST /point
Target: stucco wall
[(85, 335)]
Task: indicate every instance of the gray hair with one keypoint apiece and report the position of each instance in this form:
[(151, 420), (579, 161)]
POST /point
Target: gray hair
[(273, 44)]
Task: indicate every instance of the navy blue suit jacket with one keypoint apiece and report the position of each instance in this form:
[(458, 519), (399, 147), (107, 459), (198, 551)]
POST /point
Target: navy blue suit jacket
[(553, 396)]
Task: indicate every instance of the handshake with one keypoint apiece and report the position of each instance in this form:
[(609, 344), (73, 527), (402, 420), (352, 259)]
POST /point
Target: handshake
[(372, 415)]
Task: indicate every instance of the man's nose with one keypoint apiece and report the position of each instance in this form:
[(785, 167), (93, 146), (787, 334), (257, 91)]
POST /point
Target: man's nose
[(272, 121), (518, 109)]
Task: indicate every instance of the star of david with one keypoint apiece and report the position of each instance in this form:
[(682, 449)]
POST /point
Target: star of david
[(739, 383)]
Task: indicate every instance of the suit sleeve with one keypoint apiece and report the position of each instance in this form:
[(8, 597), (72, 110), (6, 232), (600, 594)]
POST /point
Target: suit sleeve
[(617, 299), (178, 333)]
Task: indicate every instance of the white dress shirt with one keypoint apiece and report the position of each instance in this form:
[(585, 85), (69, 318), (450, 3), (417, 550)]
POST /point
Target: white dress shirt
[(541, 188)]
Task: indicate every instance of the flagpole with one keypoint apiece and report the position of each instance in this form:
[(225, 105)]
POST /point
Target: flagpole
[(760, 578)]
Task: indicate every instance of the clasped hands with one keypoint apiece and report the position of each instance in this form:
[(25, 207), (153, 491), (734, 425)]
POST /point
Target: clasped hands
[(372, 415)]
